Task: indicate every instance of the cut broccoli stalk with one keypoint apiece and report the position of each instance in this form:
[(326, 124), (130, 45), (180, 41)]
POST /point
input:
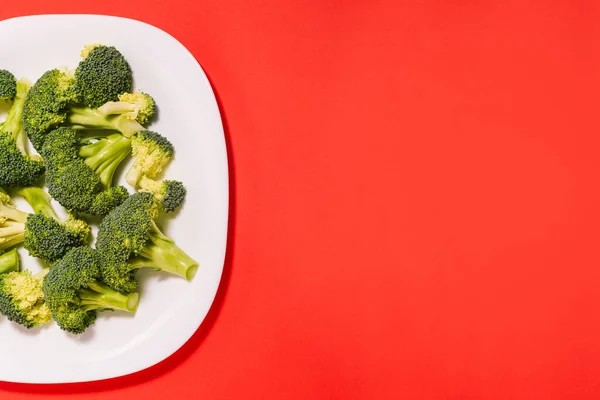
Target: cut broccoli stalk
[(98, 296), (9, 261), (105, 156), (161, 252), (12, 223), (88, 118), (38, 199)]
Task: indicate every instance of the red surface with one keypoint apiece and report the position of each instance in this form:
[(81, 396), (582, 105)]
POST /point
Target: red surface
[(415, 202)]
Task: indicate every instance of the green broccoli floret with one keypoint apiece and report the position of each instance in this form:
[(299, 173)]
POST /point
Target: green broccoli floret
[(8, 86), (53, 101), (17, 166), (47, 104), (152, 152), (74, 292), (138, 106), (9, 261), (79, 174), (46, 235), (102, 75), (169, 194), (129, 239), (22, 298)]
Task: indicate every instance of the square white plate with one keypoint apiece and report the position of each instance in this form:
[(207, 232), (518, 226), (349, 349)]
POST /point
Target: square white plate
[(171, 309)]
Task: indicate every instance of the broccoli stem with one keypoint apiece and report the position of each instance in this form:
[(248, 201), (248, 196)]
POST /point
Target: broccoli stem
[(9, 261), (98, 296), (105, 156), (93, 119), (134, 175), (13, 124), (11, 213), (38, 199), (162, 253), (116, 107), (11, 234)]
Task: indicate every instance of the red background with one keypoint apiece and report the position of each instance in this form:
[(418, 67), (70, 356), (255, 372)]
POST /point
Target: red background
[(414, 201)]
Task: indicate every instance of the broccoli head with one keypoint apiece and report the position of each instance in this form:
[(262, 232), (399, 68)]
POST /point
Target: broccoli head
[(46, 235), (47, 104), (22, 298), (17, 166), (9, 261), (102, 75), (53, 101), (79, 174), (152, 152), (169, 194), (129, 239), (8, 86), (74, 292), (138, 106)]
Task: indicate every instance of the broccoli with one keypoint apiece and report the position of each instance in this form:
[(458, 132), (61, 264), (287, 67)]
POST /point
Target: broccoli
[(53, 102), (152, 152), (46, 235), (129, 239), (22, 298), (17, 166), (169, 194), (9, 261), (102, 75), (79, 174), (8, 86), (12, 223), (74, 291), (139, 106)]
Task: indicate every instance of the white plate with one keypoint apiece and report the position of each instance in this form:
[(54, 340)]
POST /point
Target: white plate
[(171, 309)]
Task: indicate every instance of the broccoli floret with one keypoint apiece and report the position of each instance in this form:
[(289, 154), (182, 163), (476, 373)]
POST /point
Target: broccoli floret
[(53, 101), (74, 291), (9, 261), (12, 223), (17, 166), (169, 194), (102, 75), (79, 174), (152, 152), (22, 298), (8, 86), (139, 106), (46, 235), (129, 239), (47, 104)]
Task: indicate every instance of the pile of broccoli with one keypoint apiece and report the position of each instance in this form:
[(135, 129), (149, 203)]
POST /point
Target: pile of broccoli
[(82, 125)]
